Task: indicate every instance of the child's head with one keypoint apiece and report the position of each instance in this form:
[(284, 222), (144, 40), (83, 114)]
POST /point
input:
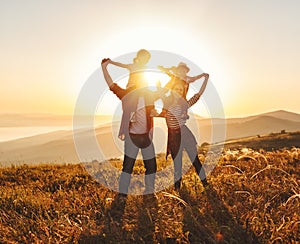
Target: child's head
[(142, 57), (181, 70)]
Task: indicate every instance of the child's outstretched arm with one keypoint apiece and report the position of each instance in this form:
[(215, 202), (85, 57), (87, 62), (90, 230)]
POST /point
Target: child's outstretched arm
[(126, 66), (168, 71), (194, 78)]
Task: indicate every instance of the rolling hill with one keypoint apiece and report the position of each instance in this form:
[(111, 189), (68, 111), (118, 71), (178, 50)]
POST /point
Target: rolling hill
[(59, 146)]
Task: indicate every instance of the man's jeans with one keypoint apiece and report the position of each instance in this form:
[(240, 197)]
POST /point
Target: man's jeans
[(131, 148)]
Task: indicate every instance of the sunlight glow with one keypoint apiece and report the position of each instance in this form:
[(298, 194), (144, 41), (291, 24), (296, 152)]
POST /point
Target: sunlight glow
[(153, 77), (108, 104)]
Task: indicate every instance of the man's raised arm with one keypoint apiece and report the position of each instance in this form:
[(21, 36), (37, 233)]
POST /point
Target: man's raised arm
[(126, 66), (107, 76)]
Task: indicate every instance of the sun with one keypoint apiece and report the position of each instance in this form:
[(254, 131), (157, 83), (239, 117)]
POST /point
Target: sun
[(155, 77)]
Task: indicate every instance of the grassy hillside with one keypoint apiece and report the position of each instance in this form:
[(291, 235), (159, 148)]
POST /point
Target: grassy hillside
[(253, 198), (268, 142)]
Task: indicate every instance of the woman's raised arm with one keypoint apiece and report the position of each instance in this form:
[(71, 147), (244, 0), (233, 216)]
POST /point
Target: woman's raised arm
[(194, 78), (197, 96), (202, 89)]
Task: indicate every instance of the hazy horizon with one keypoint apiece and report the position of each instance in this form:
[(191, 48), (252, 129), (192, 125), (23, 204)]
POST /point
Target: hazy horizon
[(43, 143), (12, 127), (110, 115)]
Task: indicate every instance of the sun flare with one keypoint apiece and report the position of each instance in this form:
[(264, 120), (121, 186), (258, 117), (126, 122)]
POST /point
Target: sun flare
[(154, 77)]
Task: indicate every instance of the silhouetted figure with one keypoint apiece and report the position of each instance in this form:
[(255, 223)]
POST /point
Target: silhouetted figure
[(179, 135), (178, 74), (136, 128), (136, 68)]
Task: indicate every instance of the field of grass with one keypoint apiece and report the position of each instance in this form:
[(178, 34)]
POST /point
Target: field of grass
[(254, 197), (269, 142)]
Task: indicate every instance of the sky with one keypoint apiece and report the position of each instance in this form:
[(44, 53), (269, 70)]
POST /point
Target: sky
[(50, 48)]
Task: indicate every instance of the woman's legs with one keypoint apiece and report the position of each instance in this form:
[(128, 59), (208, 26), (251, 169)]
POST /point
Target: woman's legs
[(190, 144), (193, 155), (177, 159), (174, 145)]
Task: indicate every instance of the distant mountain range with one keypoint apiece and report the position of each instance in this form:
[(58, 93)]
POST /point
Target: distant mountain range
[(263, 124), (59, 146), (279, 114), (23, 120)]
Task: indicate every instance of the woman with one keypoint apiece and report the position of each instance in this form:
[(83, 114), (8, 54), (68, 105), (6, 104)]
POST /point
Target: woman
[(179, 74), (179, 135)]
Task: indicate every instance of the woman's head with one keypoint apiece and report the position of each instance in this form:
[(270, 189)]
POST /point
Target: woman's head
[(142, 57), (178, 89)]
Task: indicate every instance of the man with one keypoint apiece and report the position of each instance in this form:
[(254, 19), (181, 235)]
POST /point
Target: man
[(135, 129)]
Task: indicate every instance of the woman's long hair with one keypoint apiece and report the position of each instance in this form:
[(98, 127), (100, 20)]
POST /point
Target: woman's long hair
[(171, 99)]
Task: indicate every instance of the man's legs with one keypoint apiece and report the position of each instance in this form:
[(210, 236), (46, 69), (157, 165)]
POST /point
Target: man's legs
[(148, 153), (131, 151), (150, 165)]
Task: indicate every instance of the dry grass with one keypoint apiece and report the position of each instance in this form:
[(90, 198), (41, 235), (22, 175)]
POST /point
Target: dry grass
[(254, 198)]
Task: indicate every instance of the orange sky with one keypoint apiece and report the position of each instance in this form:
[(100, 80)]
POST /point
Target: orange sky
[(250, 48)]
